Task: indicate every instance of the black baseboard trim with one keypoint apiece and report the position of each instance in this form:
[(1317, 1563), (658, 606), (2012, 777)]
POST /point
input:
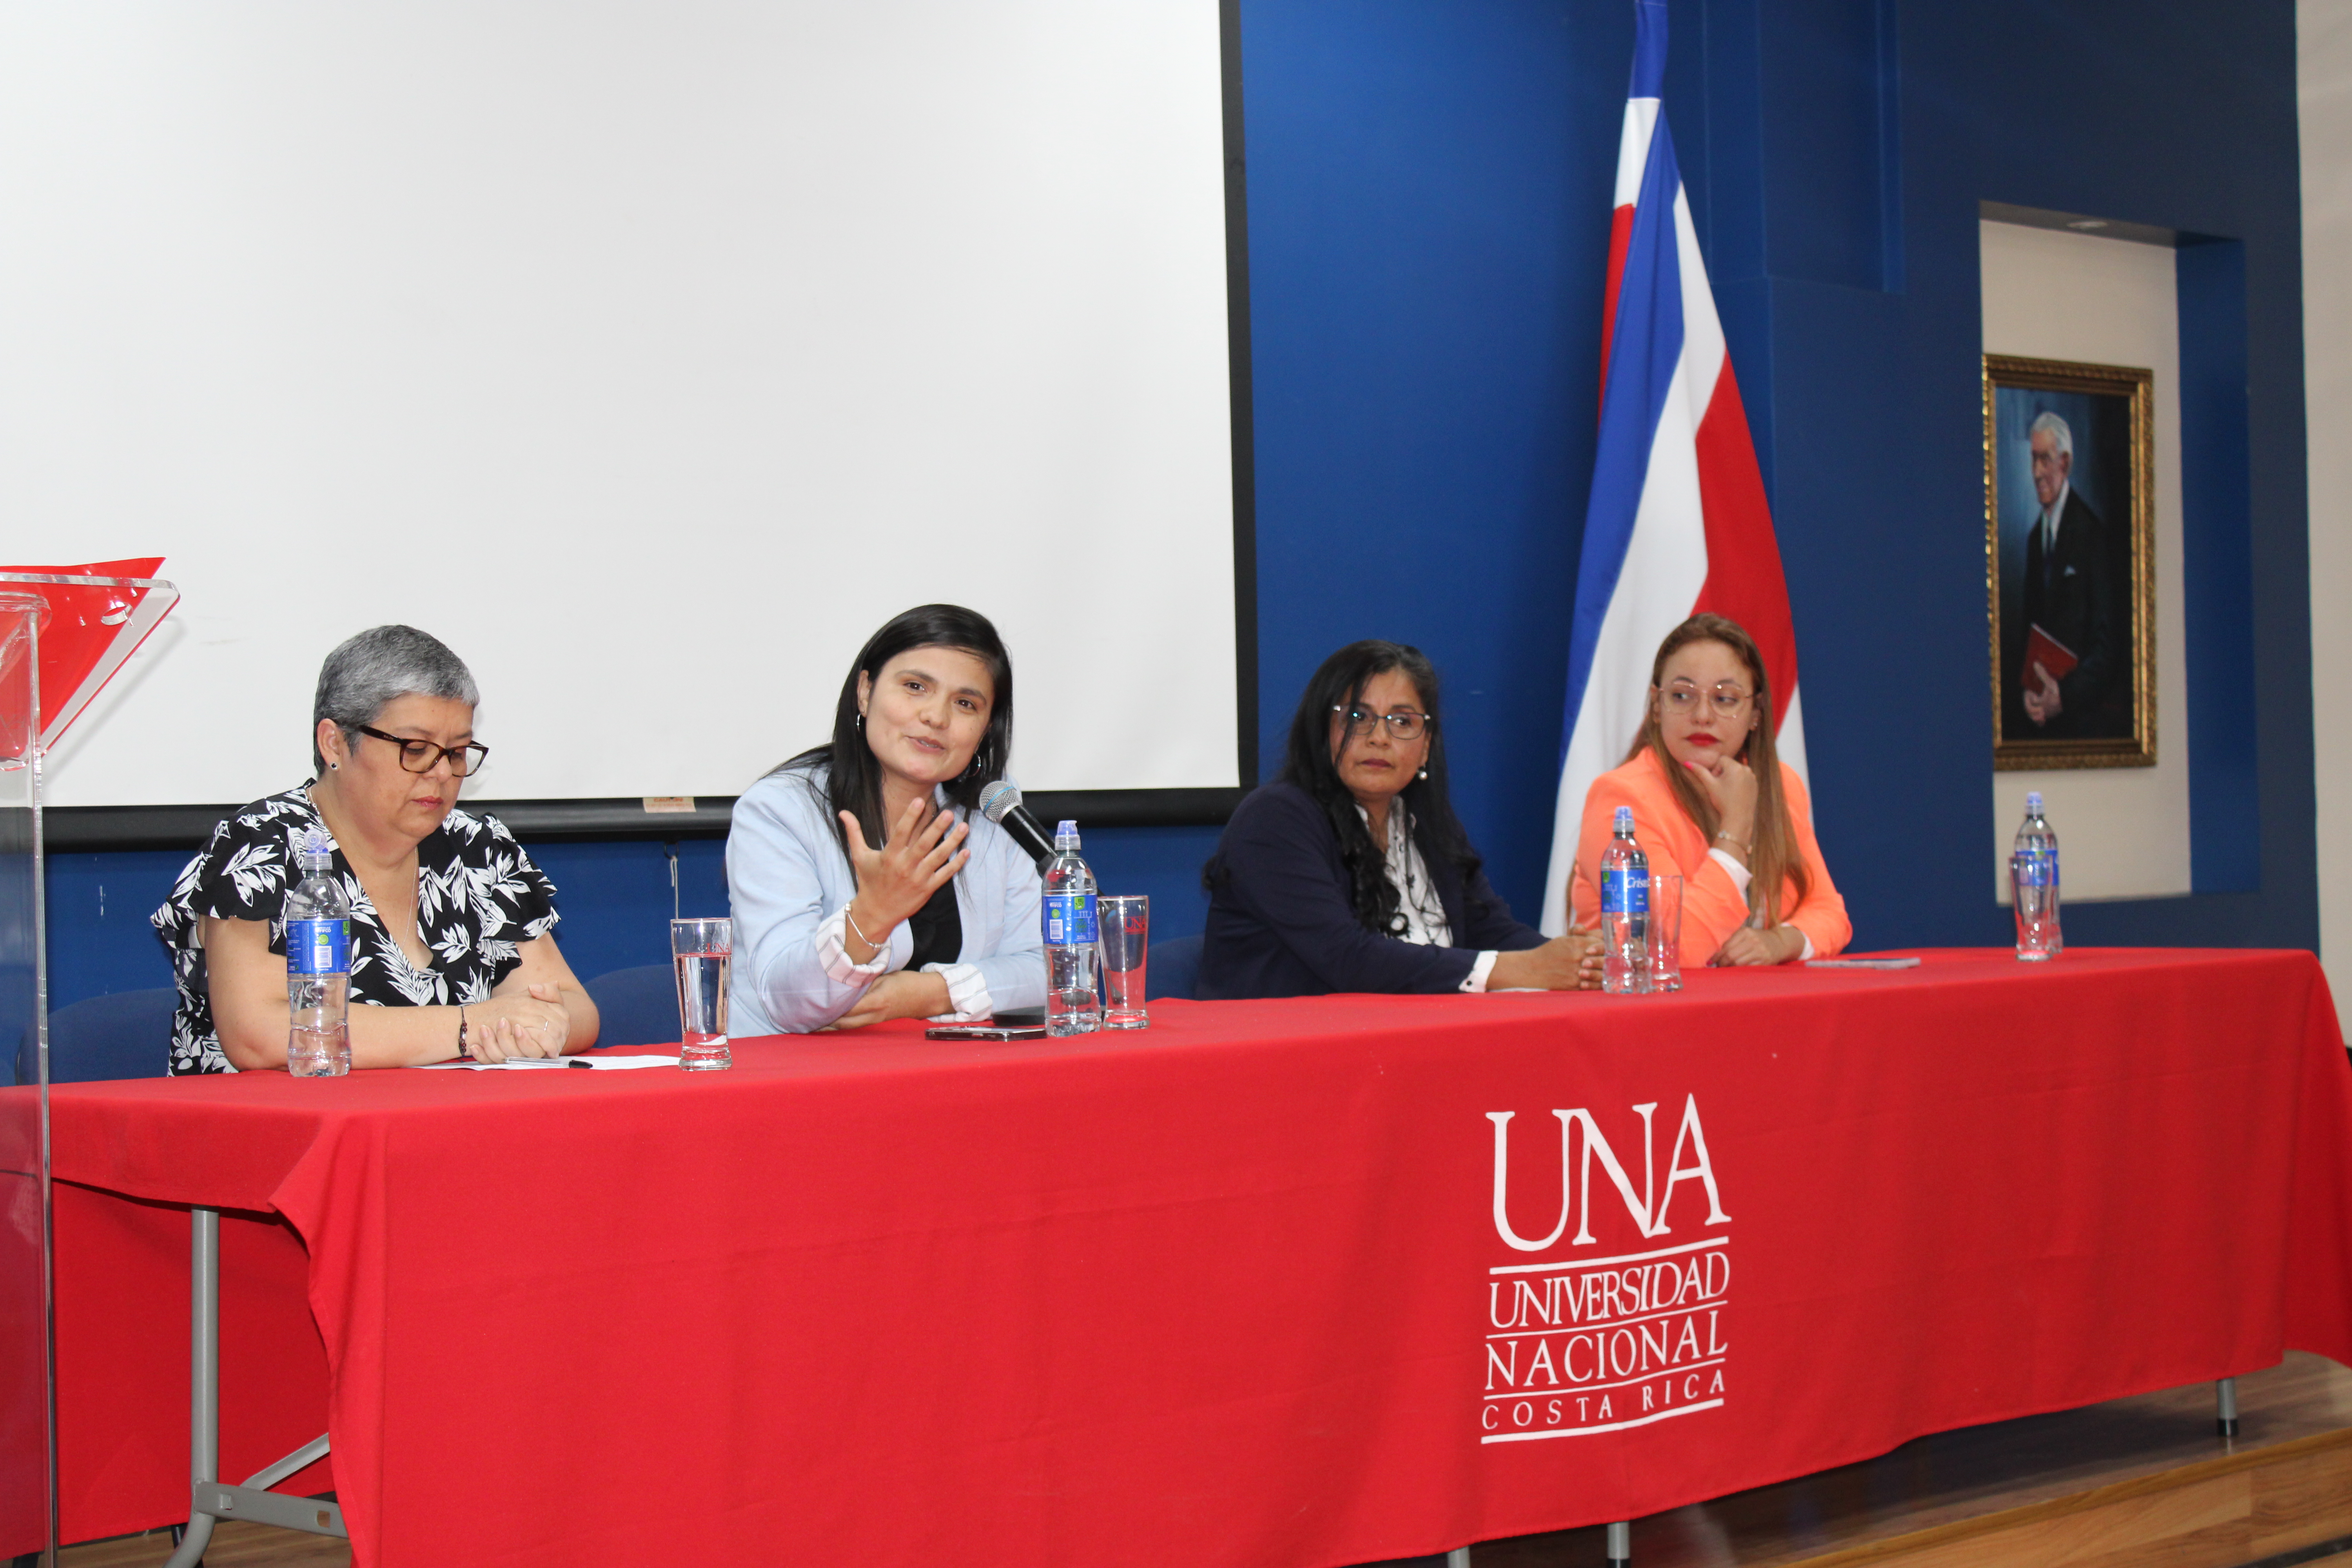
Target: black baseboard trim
[(82, 829)]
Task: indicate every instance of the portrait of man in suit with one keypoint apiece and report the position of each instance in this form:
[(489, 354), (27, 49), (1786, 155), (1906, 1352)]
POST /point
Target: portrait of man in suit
[(2068, 513), (2070, 597)]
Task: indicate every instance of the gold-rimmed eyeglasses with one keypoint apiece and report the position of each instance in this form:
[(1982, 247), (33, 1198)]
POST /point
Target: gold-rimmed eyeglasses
[(424, 756), (1404, 724), (1727, 700)]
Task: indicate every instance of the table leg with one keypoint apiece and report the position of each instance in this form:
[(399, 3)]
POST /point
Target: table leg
[(1458, 1558), (1620, 1545), (2225, 1406), (208, 1498), (203, 1381)]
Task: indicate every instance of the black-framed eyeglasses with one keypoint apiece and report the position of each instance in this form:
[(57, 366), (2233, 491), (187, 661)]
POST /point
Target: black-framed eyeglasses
[(1727, 700), (1403, 725), (424, 756)]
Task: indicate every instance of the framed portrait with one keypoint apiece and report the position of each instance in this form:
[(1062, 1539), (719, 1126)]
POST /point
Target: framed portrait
[(2070, 557)]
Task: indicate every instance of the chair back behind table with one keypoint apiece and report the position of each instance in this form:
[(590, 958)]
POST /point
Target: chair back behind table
[(1175, 968), (636, 1006), (125, 1035)]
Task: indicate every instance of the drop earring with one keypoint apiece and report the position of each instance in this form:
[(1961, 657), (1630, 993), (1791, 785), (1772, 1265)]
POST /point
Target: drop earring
[(1424, 773)]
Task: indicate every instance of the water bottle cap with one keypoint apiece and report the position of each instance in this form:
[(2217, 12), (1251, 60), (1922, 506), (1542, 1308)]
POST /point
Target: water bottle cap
[(2033, 802), (1066, 834), (314, 842), (1624, 819)]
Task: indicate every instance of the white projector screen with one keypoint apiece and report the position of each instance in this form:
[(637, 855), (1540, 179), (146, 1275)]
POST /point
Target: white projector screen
[(651, 356)]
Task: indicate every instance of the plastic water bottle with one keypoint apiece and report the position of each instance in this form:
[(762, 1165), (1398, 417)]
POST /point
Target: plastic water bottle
[(1072, 1006), (1624, 910), (317, 966), (2033, 886)]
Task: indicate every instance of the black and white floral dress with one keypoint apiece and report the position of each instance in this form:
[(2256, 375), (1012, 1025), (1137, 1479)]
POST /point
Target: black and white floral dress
[(478, 898)]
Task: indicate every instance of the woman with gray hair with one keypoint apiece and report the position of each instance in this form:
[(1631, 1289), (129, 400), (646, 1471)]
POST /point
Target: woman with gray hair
[(451, 955)]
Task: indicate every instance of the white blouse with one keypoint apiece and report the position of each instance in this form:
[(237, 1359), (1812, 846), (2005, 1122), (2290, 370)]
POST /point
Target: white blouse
[(1424, 912)]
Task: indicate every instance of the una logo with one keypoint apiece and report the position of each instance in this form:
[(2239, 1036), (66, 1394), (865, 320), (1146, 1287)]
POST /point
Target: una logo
[(1586, 1344)]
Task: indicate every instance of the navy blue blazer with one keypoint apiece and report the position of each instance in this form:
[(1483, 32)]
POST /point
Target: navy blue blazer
[(1280, 924)]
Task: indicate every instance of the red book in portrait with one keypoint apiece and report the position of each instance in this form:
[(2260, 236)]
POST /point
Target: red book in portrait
[(2047, 651)]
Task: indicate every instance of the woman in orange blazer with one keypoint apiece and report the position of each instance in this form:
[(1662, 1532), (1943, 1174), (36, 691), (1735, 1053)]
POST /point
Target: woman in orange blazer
[(1714, 806)]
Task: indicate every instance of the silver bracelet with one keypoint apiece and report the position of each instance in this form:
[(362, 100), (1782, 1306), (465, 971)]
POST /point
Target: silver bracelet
[(847, 913)]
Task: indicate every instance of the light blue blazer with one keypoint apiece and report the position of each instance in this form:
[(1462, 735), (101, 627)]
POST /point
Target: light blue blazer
[(786, 877)]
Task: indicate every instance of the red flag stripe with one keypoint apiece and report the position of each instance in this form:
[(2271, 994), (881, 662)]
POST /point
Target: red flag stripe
[(1621, 235), (1744, 580)]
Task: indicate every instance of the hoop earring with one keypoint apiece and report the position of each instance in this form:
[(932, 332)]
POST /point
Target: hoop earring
[(861, 721)]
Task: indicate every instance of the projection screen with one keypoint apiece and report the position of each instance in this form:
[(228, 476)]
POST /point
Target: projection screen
[(649, 355)]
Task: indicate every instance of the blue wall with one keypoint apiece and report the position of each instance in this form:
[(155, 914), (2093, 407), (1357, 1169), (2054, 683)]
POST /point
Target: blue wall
[(1429, 188), (1429, 185)]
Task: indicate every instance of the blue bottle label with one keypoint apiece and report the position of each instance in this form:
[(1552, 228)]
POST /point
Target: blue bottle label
[(2035, 868), (1625, 891), (317, 947), (1070, 919)]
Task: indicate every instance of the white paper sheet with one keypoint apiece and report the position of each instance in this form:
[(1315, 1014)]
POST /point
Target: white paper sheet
[(542, 1064)]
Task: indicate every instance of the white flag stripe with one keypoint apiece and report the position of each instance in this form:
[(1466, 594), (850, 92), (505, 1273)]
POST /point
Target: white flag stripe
[(1633, 148), (1702, 328), (1788, 743), (1666, 565)]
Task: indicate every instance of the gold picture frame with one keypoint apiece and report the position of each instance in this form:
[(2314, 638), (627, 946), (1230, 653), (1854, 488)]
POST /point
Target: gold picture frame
[(2070, 599)]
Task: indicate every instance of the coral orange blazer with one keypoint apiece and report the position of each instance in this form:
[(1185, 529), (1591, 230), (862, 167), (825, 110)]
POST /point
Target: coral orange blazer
[(1713, 907)]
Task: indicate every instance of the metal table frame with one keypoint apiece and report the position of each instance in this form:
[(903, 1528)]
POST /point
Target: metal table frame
[(212, 1499)]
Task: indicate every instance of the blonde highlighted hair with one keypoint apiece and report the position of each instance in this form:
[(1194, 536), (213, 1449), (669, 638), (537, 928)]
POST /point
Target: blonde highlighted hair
[(1774, 859)]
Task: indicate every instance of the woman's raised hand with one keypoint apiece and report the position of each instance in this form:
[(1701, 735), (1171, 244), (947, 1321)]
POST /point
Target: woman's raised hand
[(1730, 783), (898, 878)]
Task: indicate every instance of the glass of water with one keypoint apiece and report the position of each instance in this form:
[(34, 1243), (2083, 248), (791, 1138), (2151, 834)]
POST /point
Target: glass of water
[(1665, 932), (701, 948), (1125, 928)]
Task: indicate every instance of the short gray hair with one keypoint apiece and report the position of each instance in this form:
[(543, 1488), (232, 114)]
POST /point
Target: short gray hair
[(379, 666), (2062, 438)]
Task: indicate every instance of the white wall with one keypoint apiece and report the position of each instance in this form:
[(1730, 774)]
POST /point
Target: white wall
[(2053, 295), (2325, 73)]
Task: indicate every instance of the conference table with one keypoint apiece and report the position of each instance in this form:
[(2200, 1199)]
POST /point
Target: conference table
[(1310, 1281)]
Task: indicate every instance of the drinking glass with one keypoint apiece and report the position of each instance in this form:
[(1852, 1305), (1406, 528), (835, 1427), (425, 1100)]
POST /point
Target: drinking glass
[(1125, 930), (1666, 933), (700, 947)]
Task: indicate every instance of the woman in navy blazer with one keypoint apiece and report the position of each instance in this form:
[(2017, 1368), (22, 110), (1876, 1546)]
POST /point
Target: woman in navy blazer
[(1350, 872)]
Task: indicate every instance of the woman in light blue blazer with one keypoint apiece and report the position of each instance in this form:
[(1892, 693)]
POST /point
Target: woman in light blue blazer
[(865, 885)]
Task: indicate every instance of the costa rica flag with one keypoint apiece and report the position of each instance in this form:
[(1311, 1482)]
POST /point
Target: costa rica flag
[(1677, 522)]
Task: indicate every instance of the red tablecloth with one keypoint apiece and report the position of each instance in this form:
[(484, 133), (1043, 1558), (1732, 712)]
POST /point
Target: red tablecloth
[(1234, 1290)]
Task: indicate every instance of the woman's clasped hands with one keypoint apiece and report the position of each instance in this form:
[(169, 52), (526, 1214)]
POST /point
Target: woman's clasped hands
[(530, 1023)]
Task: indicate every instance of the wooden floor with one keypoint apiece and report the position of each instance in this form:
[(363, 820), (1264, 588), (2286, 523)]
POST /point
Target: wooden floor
[(1942, 1499), (2134, 1481)]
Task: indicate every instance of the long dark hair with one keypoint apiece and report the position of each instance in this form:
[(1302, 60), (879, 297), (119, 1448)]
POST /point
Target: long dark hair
[(1775, 859), (853, 775), (1307, 762)]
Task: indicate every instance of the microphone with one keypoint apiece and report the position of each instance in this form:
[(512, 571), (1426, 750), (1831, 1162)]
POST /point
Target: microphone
[(1001, 804)]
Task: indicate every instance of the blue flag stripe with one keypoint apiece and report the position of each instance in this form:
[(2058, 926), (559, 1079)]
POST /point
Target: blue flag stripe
[(1645, 350), (1649, 50)]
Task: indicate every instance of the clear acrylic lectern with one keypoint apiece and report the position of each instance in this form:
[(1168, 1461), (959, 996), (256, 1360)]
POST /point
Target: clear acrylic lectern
[(70, 631)]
